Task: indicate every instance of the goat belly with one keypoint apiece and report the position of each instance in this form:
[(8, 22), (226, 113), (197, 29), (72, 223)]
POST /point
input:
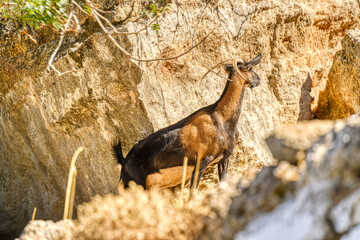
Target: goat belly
[(167, 177)]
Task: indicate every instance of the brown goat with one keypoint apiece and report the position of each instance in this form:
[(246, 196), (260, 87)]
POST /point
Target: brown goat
[(205, 137)]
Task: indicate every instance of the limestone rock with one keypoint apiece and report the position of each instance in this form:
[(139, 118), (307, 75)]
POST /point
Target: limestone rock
[(264, 194), (45, 118), (346, 213), (323, 205), (306, 100), (353, 234), (290, 142), (341, 97)]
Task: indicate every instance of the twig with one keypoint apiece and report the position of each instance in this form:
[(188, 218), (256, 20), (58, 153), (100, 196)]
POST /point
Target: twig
[(197, 25), (81, 9), (212, 68), (180, 55), (194, 52), (223, 21), (31, 38), (126, 33), (98, 17), (78, 26), (53, 55), (95, 14), (184, 173), (142, 29), (103, 11), (33, 215)]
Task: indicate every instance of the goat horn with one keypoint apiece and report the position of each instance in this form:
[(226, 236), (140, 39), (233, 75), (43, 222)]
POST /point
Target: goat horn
[(234, 63)]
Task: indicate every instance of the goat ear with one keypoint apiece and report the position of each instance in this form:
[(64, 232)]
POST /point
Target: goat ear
[(228, 68), (255, 61)]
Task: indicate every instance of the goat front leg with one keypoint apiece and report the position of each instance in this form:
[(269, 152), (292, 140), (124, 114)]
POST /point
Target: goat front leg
[(203, 165), (222, 167)]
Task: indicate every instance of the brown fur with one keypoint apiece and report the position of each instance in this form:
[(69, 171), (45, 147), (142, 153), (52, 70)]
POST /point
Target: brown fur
[(168, 177), (230, 102), (201, 132)]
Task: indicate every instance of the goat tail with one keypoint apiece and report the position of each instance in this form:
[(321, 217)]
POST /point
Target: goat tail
[(118, 152)]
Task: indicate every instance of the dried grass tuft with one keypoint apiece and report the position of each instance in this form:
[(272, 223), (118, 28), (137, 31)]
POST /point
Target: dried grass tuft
[(139, 214), (71, 186), (33, 215)]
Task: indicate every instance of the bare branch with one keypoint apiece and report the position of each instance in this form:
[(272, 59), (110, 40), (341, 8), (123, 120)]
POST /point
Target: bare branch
[(96, 16), (81, 9), (194, 52), (211, 69), (53, 55), (142, 29), (102, 11), (126, 33), (31, 38), (197, 25), (180, 55)]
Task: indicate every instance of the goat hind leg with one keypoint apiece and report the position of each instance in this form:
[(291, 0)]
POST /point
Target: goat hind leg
[(138, 176)]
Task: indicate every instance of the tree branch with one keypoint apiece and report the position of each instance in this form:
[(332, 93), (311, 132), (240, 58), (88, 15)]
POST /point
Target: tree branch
[(96, 16), (53, 55), (211, 69)]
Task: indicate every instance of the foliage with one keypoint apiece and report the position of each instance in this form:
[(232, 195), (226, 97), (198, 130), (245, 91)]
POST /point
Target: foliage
[(32, 13), (153, 10)]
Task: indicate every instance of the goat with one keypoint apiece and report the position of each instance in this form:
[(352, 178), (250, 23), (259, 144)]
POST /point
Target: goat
[(206, 137)]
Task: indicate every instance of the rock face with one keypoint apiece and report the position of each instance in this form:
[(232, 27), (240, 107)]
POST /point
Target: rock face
[(306, 100), (341, 97), (44, 117), (324, 203)]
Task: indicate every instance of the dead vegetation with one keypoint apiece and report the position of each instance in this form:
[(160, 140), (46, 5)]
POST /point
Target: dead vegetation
[(136, 213), (139, 214)]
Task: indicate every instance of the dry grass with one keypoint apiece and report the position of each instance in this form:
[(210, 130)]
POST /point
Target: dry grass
[(139, 214), (33, 215), (71, 186)]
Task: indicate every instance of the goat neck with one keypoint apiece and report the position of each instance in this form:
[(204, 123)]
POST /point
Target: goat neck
[(229, 104)]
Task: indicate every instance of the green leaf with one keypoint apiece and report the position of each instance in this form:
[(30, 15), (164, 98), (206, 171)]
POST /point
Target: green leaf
[(86, 9)]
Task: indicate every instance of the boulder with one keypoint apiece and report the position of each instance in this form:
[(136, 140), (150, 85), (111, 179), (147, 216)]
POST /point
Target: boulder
[(322, 205), (291, 141), (341, 97)]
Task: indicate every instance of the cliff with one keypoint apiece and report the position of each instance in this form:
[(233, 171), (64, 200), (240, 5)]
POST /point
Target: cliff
[(45, 117)]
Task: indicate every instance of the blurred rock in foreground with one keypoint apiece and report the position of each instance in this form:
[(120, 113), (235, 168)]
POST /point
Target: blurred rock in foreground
[(323, 204)]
